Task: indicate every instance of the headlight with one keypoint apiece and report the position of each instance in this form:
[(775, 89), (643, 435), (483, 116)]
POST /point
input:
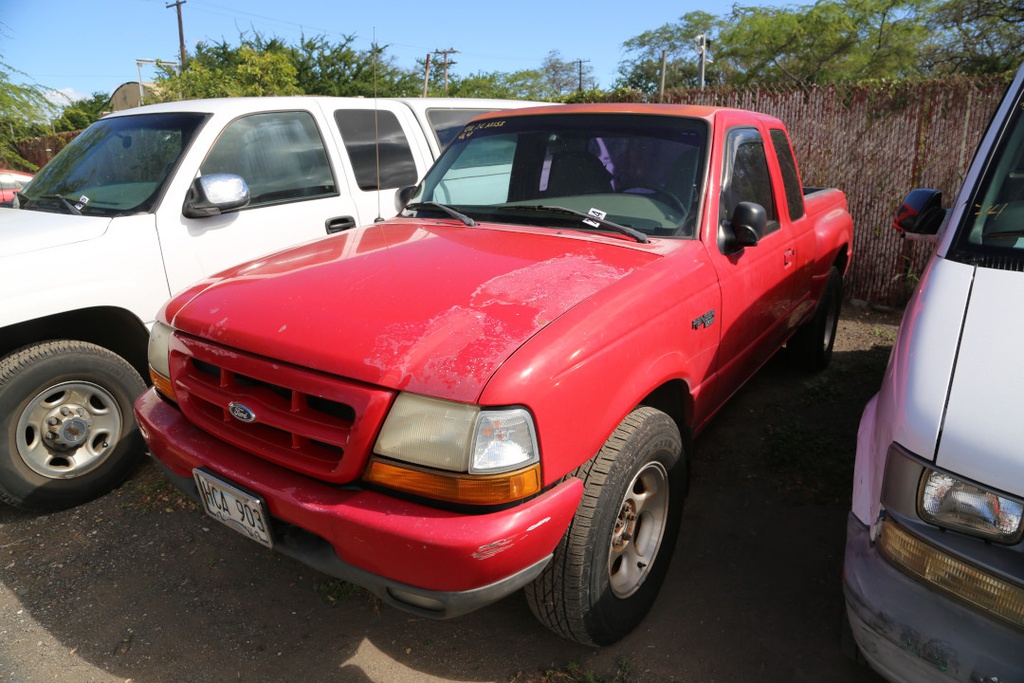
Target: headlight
[(457, 437), (951, 503), (159, 366), (457, 452)]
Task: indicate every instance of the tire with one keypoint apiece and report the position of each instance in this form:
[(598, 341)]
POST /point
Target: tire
[(608, 568), (67, 429), (810, 347)]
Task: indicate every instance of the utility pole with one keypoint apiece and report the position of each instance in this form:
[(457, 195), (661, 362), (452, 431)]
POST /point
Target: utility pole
[(447, 63), (702, 49), (181, 30), (579, 65), (664, 64), (426, 75)]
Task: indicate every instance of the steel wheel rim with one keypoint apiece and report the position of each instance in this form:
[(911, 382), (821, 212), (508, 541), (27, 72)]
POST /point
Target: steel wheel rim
[(638, 531), (68, 429)]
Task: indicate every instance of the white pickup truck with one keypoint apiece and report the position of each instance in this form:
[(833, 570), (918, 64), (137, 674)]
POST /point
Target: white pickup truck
[(143, 203)]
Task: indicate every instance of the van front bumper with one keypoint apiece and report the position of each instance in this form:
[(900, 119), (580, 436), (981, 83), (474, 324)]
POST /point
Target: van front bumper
[(911, 633)]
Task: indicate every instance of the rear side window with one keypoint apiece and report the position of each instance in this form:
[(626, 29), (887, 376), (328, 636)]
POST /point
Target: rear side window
[(280, 155), (446, 123), (378, 148), (790, 178), (746, 176)]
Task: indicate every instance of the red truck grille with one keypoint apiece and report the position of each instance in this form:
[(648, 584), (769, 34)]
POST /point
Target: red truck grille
[(316, 424)]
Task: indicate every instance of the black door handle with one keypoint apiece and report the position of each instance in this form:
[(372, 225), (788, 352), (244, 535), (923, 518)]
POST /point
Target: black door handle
[(339, 224)]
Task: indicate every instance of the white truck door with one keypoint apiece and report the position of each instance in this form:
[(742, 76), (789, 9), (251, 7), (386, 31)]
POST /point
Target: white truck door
[(382, 147), (298, 193)]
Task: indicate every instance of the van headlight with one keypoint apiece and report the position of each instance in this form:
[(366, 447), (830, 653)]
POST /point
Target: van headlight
[(456, 451), (951, 503)]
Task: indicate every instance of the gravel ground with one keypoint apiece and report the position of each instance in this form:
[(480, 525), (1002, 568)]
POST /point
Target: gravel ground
[(141, 586)]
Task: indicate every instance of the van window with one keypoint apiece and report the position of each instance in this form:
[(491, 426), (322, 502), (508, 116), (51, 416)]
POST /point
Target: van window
[(280, 155), (377, 147)]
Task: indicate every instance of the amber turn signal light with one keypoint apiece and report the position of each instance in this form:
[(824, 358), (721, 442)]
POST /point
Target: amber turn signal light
[(494, 489)]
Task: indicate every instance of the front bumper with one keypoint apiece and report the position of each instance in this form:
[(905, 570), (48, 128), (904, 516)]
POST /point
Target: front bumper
[(910, 633), (432, 562)]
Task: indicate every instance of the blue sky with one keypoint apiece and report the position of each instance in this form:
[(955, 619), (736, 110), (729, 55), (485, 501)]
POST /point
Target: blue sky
[(80, 48)]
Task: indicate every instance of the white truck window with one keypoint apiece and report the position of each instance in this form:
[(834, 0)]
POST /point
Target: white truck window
[(377, 147), (280, 155)]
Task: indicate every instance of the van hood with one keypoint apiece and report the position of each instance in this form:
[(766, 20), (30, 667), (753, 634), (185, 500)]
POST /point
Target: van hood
[(983, 428), (427, 307), (23, 231)]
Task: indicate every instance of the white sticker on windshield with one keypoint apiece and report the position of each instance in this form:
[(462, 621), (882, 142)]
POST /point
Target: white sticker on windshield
[(82, 201), (596, 213)]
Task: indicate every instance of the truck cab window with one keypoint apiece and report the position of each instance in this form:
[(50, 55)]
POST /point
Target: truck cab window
[(790, 177), (378, 148), (745, 175), (280, 155)]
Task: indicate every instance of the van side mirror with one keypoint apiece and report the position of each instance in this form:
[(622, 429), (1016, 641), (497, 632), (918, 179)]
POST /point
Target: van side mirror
[(921, 213), (744, 228), (214, 194)]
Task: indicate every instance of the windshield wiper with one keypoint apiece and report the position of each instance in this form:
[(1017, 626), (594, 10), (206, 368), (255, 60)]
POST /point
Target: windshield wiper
[(588, 218), (457, 215), (65, 202)]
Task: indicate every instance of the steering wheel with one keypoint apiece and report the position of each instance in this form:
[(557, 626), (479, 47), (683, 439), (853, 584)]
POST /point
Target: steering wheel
[(662, 194)]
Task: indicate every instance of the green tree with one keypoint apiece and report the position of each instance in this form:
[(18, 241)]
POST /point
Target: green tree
[(826, 42), (642, 69), (975, 37), (244, 71), (325, 68), (562, 78), (80, 114), (518, 85), (24, 108)]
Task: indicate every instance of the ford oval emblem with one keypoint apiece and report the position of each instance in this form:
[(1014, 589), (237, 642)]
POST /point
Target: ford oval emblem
[(241, 412)]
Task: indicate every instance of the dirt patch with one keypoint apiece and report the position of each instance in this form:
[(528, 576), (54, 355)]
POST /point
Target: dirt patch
[(141, 586)]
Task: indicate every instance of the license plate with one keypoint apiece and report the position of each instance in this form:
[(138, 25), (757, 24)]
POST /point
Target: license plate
[(230, 505)]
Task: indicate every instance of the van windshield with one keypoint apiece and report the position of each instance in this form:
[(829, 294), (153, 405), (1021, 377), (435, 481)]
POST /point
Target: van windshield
[(116, 166), (994, 227), (641, 172)]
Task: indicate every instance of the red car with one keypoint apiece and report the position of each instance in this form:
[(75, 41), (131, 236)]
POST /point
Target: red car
[(11, 182)]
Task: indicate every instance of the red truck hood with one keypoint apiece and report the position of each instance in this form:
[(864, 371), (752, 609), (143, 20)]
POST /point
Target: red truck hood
[(419, 306)]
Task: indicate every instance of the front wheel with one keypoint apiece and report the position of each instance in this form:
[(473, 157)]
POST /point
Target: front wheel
[(67, 430), (609, 566)]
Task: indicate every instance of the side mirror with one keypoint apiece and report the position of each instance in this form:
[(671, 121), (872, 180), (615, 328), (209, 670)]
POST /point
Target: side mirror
[(745, 227), (403, 195), (921, 213), (214, 194)]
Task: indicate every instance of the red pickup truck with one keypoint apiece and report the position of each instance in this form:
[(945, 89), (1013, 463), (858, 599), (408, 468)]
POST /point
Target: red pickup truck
[(498, 388)]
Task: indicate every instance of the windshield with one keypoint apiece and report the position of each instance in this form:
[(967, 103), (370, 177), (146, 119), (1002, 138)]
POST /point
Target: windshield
[(994, 228), (635, 171), (116, 166)]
